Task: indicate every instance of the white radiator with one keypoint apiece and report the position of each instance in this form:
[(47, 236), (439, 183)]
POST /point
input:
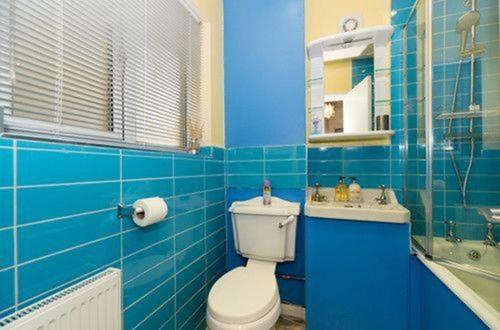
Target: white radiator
[(92, 304)]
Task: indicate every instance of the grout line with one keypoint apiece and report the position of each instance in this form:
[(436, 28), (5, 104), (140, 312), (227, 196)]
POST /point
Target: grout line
[(15, 220), (121, 227), (188, 283), (190, 299), (154, 311), (147, 247), (174, 245), (65, 151), (147, 293), (64, 184), (190, 264), (165, 323), (149, 269), (199, 323), (205, 232), (192, 315), (68, 249), (76, 215)]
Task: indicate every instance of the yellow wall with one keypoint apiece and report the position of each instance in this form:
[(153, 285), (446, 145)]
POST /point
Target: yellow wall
[(337, 77), (322, 17), (211, 11)]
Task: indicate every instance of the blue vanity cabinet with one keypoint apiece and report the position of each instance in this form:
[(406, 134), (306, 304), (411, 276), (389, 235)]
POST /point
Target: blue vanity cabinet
[(357, 274)]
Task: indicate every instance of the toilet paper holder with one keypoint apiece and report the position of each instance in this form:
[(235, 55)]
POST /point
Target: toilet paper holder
[(129, 211)]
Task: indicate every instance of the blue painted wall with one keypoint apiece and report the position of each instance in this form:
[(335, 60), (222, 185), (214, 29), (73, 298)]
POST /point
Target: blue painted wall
[(285, 167), (434, 306), (357, 275), (265, 106), (264, 67), (59, 225)]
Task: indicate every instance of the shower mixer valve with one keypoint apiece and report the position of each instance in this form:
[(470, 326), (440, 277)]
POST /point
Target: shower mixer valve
[(490, 239)]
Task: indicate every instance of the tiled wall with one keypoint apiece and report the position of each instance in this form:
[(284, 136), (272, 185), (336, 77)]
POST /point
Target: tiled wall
[(285, 167), (484, 180), (408, 107), (370, 165), (59, 225), (483, 186)]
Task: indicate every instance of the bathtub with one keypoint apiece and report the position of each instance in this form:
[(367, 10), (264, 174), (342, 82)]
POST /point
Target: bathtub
[(458, 267)]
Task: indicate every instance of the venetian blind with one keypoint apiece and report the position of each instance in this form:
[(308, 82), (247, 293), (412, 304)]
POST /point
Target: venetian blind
[(115, 72)]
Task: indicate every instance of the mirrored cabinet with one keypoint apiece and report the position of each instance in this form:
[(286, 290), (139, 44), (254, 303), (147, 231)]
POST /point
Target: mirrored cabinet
[(349, 86)]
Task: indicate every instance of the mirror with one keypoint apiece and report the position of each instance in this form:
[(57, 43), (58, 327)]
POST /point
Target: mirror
[(348, 95), (350, 85)]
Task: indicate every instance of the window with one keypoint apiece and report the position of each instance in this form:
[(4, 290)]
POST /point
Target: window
[(114, 72)]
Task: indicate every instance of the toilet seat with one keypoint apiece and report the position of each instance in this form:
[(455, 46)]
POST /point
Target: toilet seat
[(245, 294)]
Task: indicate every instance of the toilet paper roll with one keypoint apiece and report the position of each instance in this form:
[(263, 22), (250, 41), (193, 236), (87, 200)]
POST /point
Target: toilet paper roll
[(149, 210)]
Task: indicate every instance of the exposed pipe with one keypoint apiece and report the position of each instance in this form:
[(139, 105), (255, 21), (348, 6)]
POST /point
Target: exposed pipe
[(291, 277)]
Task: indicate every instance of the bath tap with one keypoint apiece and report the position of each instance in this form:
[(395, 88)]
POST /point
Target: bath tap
[(382, 200), (490, 239), (451, 235)]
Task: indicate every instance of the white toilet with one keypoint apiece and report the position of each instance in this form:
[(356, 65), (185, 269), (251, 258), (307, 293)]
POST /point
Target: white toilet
[(247, 298)]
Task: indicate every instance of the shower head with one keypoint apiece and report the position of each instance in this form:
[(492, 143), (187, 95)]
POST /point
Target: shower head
[(468, 20)]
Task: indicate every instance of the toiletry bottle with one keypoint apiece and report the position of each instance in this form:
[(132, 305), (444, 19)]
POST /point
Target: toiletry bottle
[(266, 192), (341, 191), (354, 191)]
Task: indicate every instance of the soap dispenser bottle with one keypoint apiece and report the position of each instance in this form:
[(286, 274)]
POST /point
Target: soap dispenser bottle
[(354, 191), (341, 192)]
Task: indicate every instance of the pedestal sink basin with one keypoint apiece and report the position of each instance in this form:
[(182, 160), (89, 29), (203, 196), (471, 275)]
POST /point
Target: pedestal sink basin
[(368, 209)]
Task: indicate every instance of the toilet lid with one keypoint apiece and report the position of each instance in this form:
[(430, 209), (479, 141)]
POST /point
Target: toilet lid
[(242, 295)]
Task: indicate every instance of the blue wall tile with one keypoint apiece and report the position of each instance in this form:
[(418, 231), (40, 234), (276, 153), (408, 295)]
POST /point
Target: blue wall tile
[(285, 152), (64, 267), (245, 154), (134, 190), (33, 202), (7, 289), (46, 238), (142, 237), (63, 167), (188, 185), (7, 250), (6, 175), (140, 262), (188, 220), (146, 166), (6, 205), (190, 254), (214, 182), (188, 167), (246, 167), (68, 229), (147, 305), (147, 281)]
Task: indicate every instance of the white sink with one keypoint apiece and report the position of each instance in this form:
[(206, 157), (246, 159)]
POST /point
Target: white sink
[(367, 210)]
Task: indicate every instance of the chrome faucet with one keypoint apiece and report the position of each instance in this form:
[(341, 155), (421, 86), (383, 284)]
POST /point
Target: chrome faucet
[(491, 215), (382, 200), (451, 235), (317, 196), (490, 239)]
